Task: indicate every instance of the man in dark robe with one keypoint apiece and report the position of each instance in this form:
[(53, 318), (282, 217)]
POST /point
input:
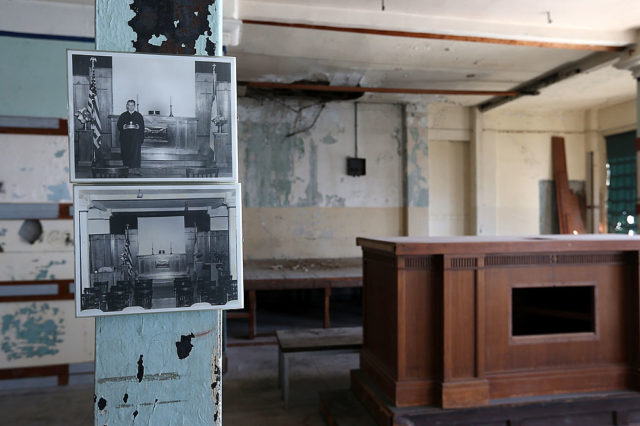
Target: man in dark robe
[(131, 136)]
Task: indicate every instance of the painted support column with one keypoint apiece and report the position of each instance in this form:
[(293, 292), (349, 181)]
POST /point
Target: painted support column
[(163, 368), (596, 172), (483, 152), (417, 170)]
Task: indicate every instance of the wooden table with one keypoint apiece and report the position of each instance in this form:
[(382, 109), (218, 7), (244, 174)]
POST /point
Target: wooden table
[(297, 274), (459, 322)]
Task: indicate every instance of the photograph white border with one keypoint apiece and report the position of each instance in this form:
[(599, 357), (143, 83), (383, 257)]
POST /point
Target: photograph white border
[(82, 247), (189, 58)]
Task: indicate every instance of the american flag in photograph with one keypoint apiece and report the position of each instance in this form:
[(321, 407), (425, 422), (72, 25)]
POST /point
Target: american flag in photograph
[(126, 257), (92, 107)]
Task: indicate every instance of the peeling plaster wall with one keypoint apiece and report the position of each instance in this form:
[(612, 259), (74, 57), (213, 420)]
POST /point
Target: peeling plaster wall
[(618, 118), (523, 158), (35, 170), (298, 200), (44, 333)]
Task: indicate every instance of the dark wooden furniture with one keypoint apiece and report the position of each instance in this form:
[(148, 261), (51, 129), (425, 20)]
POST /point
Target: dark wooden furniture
[(297, 274), (460, 322), (179, 134), (342, 407), (162, 265), (317, 340)]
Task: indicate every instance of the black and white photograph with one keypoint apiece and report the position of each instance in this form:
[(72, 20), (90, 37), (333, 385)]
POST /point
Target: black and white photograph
[(148, 117), (157, 248)]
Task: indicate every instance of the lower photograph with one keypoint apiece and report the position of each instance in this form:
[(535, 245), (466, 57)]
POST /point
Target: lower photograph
[(157, 248)]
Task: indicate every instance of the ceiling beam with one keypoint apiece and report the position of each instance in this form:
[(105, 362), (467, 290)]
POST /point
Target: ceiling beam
[(359, 89), (434, 36), (532, 87)]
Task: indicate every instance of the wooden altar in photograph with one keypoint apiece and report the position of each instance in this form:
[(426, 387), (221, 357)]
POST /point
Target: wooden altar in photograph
[(465, 321), (169, 142)]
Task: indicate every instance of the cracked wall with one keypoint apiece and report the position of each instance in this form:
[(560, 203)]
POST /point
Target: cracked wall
[(297, 198)]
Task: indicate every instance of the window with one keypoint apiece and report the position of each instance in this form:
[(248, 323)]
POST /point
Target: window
[(621, 183)]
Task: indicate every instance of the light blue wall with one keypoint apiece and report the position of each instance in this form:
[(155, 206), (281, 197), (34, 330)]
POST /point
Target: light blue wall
[(33, 76)]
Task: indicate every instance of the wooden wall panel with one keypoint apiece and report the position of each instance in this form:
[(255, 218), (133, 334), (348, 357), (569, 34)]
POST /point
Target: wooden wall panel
[(380, 339), (418, 290), (607, 345), (459, 324)]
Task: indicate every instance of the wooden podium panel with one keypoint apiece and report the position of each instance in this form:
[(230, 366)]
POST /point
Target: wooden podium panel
[(458, 322)]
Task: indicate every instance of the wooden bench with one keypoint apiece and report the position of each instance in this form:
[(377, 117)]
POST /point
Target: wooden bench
[(313, 340), (297, 274)]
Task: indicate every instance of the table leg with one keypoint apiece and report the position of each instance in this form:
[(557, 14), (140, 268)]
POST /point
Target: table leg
[(285, 379), (280, 367), (252, 314), (327, 297)]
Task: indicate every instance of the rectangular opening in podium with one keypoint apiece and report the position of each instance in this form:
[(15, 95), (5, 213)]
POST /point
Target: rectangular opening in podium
[(553, 310)]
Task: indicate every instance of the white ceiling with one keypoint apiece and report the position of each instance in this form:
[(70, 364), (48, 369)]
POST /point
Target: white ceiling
[(269, 53)]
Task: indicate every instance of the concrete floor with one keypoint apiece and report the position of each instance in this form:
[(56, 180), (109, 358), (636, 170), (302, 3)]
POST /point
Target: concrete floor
[(250, 394)]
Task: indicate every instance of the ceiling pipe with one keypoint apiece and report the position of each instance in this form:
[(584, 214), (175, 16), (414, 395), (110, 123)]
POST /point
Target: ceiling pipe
[(591, 62), (434, 36), (358, 89)]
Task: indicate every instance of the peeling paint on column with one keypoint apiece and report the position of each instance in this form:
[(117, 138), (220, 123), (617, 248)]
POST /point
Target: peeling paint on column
[(174, 26), (184, 346), (160, 387)]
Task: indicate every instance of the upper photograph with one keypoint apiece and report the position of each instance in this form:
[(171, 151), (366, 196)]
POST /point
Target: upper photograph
[(156, 118)]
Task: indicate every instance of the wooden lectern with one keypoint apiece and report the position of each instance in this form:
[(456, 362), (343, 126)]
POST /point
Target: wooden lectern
[(464, 321)]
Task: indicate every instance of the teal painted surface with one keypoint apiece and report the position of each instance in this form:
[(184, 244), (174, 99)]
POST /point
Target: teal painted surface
[(33, 73), (58, 192), (44, 273), (112, 29), (141, 375), (32, 332), (269, 158), (622, 195), (114, 33), (417, 184), (137, 356)]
